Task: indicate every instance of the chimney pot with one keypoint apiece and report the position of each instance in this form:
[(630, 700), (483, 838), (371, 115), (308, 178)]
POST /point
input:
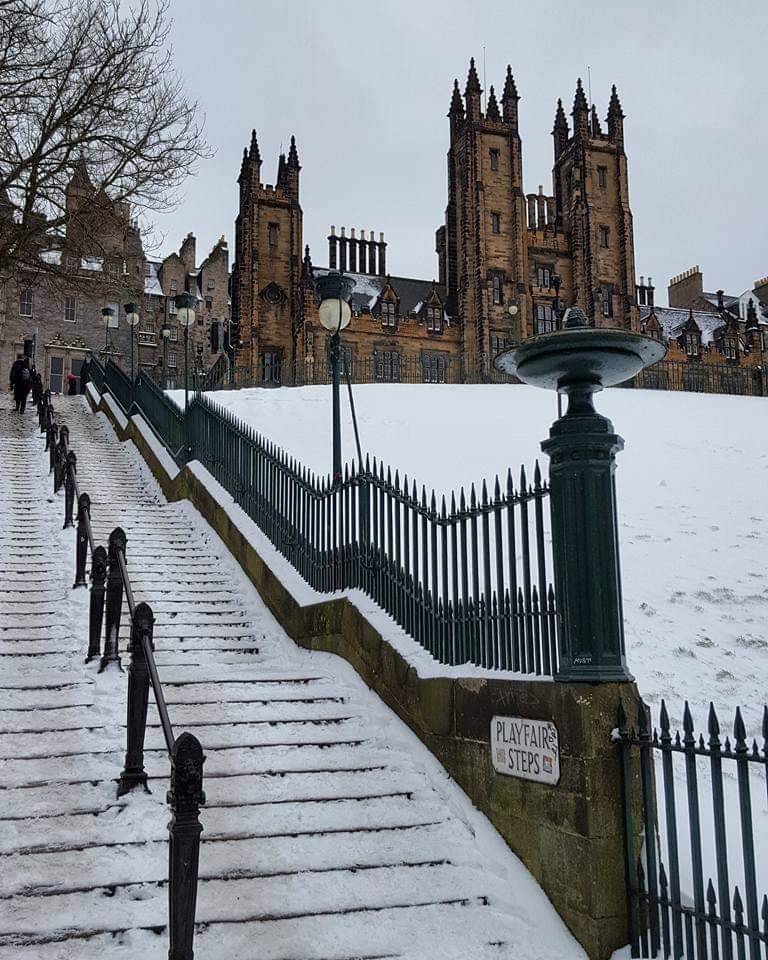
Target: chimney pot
[(342, 231), (333, 230), (352, 232), (381, 238)]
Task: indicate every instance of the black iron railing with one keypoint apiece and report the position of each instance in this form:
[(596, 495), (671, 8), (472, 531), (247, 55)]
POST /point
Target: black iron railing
[(468, 577), (701, 377), (96, 371), (110, 582), (119, 385), (704, 916), (162, 414)]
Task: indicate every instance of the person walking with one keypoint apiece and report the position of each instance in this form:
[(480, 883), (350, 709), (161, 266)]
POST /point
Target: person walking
[(16, 366), (71, 385), (22, 383)]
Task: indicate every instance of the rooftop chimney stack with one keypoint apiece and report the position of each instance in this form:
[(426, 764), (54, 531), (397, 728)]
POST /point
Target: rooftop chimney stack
[(382, 256), (332, 248), (343, 251), (352, 251)]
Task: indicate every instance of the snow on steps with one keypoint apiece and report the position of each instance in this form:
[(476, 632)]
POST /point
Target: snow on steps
[(329, 833)]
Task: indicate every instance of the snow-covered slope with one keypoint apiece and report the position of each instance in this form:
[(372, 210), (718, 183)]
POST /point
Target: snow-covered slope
[(692, 507)]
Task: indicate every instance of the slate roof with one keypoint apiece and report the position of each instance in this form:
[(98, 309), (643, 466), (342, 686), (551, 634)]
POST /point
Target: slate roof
[(673, 319), (412, 293)]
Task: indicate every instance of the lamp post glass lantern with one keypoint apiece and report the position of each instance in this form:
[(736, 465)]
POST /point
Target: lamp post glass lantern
[(185, 311), (165, 333), (132, 317), (334, 291), (107, 313)]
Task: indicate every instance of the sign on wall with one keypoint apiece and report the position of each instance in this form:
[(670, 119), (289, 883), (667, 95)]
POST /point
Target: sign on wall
[(525, 748)]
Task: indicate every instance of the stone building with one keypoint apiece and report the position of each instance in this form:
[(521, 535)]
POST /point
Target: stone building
[(55, 300), (507, 260), (707, 328), (160, 336)]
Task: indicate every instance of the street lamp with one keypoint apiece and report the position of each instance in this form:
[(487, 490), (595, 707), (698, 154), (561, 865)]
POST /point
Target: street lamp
[(132, 316), (185, 308), (165, 333), (335, 290), (107, 313)]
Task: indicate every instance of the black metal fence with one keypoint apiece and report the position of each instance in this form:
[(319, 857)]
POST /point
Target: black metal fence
[(683, 901), (468, 576), (700, 377)]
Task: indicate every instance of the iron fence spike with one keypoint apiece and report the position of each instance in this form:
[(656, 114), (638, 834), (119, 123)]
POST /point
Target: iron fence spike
[(537, 476), (510, 484), (523, 481), (484, 493), (713, 726), (765, 730), (739, 732), (711, 897), (497, 489), (688, 725), (738, 905), (664, 721)]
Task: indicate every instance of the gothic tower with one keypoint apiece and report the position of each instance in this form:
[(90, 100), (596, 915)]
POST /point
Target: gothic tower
[(482, 249), (266, 273), (592, 205)]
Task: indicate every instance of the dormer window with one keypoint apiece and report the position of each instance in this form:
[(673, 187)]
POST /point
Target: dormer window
[(692, 344), (435, 319), (388, 313)]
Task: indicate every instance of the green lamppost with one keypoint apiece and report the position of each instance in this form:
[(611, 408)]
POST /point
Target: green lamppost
[(185, 307), (577, 361), (132, 316), (335, 290)]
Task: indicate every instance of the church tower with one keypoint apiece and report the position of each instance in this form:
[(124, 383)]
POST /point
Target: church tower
[(482, 249), (266, 273)]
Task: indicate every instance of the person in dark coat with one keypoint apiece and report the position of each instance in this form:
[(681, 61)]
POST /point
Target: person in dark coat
[(16, 366), (22, 383), (83, 376)]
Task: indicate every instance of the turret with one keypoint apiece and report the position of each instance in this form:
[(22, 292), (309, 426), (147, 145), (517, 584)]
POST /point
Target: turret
[(473, 92), (615, 118), (560, 130), (492, 109), (580, 113), (509, 99)]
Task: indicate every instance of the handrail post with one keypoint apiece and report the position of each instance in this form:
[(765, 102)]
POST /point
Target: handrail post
[(133, 774), (185, 799), (96, 614), (70, 469), (60, 456), (114, 600), (51, 439), (81, 540)]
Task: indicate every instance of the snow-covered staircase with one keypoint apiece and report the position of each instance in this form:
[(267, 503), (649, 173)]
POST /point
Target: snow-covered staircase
[(329, 831)]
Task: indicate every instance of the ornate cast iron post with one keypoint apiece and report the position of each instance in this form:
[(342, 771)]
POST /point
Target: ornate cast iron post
[(133, 774), (578, 361), (96, 615), (81, 540), (70, 469), (185, 798), (114, 601)]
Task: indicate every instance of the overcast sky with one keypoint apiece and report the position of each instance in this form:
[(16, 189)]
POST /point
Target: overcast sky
[(365, 88)]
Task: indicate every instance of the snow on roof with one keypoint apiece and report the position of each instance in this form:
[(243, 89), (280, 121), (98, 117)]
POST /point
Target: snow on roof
[(673, 319), (152, 281), (412, 293), (92, 263), (52, 257)]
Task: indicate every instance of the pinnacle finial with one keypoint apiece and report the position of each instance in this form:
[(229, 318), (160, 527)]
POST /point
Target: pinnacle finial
[(561, 123), (510, 88), (473, 82), (254, 151), (614, 107), (492, 110), (580, 100), (457, 104), (293, 154)]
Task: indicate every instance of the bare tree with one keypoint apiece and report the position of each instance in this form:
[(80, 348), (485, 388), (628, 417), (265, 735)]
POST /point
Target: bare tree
[(87, 85)]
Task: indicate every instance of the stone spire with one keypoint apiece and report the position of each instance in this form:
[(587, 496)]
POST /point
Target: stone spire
[(492, 110), (595, 122), (510, 98), (253, 153), (560, 130), (580, 112), (457, 104), (472, 92), (615, 118), (293, 155)]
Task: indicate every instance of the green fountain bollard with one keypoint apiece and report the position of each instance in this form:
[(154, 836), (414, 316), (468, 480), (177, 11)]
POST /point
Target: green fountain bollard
[(578, 361)]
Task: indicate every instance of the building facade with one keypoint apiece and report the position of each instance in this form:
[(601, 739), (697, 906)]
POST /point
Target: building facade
[(54, 302), (507, 260)]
